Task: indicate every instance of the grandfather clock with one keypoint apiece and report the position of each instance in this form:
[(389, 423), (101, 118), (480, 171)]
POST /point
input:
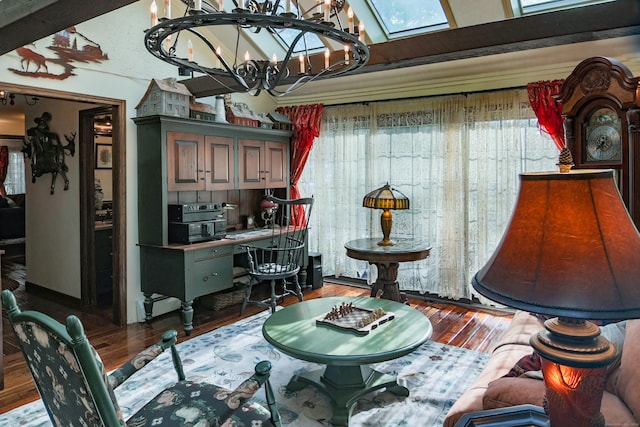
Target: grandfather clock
[(600, 104)]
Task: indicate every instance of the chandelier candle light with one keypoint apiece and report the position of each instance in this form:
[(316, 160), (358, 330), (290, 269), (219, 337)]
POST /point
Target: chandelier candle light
[(255, 75), (570, 250)]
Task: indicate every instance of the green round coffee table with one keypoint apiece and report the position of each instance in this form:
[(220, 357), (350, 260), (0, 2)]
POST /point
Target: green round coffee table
[(347, 377)]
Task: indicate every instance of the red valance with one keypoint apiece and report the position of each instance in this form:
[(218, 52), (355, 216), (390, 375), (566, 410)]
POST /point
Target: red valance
[(548, 111)]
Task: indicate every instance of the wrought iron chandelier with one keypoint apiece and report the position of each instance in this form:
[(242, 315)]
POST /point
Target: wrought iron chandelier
[(255, 75)]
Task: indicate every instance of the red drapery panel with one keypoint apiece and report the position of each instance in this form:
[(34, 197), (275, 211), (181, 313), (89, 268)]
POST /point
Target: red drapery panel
[(4, 166), (306, 119), (548, 111)]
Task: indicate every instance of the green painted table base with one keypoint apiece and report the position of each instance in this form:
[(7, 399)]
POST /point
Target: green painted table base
[(344, 385), (347, 356)]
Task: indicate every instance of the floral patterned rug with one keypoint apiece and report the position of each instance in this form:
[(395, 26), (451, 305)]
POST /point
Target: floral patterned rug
[(436, 375)]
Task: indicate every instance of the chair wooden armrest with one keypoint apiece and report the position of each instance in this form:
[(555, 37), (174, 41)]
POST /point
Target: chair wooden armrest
[(236, 398), (140, 360)]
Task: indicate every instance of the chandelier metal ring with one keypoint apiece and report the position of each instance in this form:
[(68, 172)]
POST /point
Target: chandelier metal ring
[(270, 75)]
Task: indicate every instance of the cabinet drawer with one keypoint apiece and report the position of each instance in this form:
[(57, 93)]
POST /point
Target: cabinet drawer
[(212, 252), (208, 276)]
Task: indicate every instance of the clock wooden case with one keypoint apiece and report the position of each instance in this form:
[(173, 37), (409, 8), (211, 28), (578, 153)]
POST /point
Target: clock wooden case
[(602, 123)]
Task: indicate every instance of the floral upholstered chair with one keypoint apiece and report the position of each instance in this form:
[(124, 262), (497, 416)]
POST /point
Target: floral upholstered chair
[(76, 391)]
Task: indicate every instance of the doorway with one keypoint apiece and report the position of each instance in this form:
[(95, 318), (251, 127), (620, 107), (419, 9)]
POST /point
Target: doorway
[(86, 194)]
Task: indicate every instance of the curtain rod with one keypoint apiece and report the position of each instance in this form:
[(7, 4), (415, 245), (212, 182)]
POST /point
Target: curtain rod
[(425, 97)]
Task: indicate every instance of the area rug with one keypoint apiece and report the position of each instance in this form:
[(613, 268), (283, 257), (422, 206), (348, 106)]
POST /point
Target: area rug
[(436, 375)]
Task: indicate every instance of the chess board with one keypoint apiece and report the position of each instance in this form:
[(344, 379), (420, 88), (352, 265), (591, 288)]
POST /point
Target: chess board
[(350, 321)]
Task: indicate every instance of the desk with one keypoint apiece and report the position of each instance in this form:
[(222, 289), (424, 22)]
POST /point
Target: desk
[(387, 260), (190, 271), (347, 376)]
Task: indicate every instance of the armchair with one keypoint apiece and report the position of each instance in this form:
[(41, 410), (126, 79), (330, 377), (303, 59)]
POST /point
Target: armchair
[(281, 259), (76, 390)]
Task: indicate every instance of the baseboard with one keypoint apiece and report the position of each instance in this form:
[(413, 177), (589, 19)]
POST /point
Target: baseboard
[(53, 295)]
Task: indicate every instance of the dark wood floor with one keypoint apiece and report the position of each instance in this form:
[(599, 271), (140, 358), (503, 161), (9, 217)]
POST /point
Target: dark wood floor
[(468, 327)]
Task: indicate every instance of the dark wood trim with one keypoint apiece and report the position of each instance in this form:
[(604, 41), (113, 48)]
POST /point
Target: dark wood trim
[(87, 204), (119, 176), (87, 215), (11, 137)]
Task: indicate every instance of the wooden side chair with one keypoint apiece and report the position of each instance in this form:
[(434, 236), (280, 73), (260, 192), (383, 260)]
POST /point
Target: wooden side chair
[(76, 391), (279, 261)]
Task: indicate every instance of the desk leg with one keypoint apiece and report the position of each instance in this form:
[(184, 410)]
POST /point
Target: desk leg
[(387, 281), (187, 316), (345, 385)]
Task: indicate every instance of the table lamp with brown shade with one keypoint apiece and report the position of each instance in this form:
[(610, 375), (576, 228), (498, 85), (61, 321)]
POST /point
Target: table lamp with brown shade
[(386, 198), (572, 251)]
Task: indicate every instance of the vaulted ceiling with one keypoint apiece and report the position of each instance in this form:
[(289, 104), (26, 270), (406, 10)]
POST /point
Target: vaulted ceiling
[(480, 28)]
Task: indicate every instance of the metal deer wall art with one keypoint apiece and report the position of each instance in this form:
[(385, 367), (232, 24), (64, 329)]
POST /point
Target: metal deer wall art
[(46, 151)]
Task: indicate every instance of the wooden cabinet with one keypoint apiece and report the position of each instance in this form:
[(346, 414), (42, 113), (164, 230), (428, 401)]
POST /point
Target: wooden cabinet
[(262, 164), (179, 155), (183, 155)]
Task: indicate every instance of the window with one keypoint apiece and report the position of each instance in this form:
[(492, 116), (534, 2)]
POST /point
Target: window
[(524, 7), (457, 158), (408, 17), (14, 183)]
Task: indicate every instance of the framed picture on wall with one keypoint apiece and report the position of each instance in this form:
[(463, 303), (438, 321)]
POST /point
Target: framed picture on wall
[(104, 156)]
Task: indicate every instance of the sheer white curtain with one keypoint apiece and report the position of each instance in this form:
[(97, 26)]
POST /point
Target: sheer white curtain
[(456, 157), (14, 183)]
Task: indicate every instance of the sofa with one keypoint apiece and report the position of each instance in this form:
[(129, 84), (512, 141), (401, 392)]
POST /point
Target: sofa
[(499, 384), (12, 219)]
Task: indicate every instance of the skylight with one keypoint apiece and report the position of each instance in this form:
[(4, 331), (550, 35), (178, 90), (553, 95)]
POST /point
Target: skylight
[(534, 6), (308, 42), (410, 16)]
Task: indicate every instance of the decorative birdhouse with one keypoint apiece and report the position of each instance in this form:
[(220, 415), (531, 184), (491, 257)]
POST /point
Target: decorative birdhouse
[(167, 97), (239, 113), (201, 111)]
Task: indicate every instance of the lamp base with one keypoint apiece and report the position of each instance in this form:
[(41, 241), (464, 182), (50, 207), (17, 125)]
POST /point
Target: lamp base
[(386, 221), (386, 242), (574, 359)]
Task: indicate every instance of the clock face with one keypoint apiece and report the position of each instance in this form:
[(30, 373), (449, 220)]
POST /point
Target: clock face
[(603, 137), (603, 144)]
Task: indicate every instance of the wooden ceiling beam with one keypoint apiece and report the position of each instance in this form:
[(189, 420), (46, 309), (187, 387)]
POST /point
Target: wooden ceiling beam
[(600, 21)]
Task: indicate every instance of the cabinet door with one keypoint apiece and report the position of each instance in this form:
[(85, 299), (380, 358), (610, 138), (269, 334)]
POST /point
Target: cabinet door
[(262, 164), (219, 164), (251, 164), (185, 161), (276, 164)]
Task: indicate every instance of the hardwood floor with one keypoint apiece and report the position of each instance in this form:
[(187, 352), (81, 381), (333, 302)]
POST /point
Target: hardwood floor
[(468, 327)]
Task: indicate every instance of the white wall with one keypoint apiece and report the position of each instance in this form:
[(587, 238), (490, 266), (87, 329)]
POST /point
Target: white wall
[(53, 220)]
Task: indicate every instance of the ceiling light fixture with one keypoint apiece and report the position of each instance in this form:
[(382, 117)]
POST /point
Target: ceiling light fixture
[(7, 97), (277, 77)]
